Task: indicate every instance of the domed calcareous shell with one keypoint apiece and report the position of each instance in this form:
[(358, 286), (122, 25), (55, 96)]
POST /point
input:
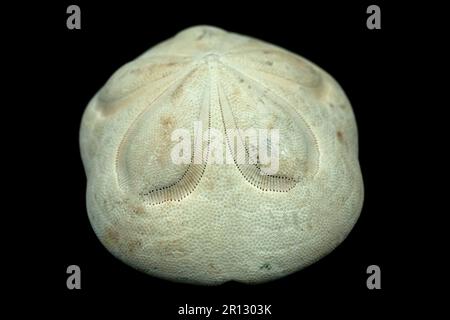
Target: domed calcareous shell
[(181, 202)]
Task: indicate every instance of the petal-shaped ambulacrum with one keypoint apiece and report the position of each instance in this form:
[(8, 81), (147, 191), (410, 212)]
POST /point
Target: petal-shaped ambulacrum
[(215, 157)]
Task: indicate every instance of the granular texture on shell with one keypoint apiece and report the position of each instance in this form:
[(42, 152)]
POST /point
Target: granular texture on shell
[(204, 221)]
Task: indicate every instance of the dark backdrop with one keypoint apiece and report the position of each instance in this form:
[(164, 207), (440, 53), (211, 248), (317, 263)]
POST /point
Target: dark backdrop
[(367, 64)]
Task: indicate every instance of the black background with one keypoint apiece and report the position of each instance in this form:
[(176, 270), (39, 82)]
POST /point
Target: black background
[(369, 65)]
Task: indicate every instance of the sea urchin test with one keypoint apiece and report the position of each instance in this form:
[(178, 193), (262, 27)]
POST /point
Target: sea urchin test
[(216, 157)]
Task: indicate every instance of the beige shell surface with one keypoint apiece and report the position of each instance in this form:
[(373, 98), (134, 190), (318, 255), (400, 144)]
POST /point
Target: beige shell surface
[(208, 223)]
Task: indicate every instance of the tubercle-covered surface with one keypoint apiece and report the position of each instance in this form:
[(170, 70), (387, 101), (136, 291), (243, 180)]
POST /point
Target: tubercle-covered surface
[(205, 222)]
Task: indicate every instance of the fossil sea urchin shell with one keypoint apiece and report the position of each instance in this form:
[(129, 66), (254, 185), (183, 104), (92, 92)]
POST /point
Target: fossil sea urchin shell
[(205, 222)]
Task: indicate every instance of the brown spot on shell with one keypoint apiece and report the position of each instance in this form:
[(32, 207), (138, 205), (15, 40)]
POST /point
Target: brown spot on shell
[(111, 236), (340, 136), (171, 247), (168, 122), (133, 245)]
